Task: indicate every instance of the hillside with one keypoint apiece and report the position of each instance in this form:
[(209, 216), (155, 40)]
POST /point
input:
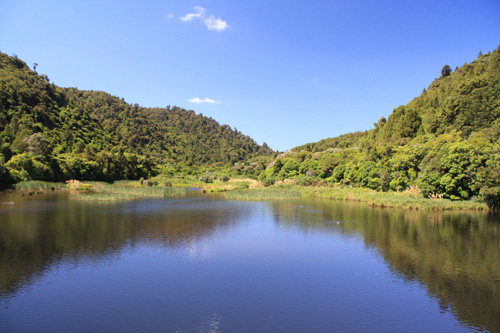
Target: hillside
[(53, 133), (446, 142)]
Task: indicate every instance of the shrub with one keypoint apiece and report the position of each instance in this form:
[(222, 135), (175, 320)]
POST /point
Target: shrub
[(311, 173), (305, 180), (206, 178), (267, 179), (491, 196), (28, 166)]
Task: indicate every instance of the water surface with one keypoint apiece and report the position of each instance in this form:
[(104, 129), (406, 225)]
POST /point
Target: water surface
[(204, 264)]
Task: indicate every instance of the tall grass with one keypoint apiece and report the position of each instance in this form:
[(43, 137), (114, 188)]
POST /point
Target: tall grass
[(106, 192), (264, 194), (148, 191), (34, 185), (389, 199), (126, 182), (103, 196)]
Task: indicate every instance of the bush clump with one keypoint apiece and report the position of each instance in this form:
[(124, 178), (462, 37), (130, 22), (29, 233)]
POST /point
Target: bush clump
[(305, 180), (224, 178), (206, 178)]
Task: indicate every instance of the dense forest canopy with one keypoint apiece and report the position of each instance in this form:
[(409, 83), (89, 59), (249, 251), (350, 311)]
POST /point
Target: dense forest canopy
[(446, 142), (52, 133)]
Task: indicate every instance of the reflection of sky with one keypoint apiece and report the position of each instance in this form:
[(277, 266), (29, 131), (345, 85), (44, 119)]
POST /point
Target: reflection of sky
[(199, 250)]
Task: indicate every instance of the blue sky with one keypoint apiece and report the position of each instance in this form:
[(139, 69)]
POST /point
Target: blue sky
[(283, 72)]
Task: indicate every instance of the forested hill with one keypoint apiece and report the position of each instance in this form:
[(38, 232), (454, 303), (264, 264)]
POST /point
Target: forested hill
[(446, 142), (464, 100), (53, 133)]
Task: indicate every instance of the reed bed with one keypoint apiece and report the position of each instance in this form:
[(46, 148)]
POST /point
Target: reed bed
[(34, 185), (264, 194), (390, 199), (103, 196), (149, 191), (106, 192), (96, 186), (126, 182)]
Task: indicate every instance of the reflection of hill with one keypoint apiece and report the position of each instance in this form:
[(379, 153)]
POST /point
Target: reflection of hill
[(456, 256), (34, 239)]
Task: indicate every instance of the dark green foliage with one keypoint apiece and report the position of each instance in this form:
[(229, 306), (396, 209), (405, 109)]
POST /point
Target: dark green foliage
[(491, 196), (445, 71), (54, 134), (342, 141), (5, 178)]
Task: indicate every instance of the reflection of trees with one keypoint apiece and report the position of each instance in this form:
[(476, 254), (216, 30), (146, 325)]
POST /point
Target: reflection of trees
[(455, 255), (32, 241)]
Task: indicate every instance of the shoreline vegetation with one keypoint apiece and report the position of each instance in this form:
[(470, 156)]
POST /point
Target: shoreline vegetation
[(440, 151), (244, 189), (402, 200), (265, 194)]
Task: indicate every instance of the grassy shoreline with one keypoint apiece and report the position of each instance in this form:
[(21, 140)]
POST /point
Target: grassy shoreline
[(264, 194), (400, 200), (239, 190)]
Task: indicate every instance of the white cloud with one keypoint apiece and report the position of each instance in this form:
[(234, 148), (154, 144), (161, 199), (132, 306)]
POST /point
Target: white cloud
[(212, 23), (198, 100), (199, 13), (169, 16), (216, 24)]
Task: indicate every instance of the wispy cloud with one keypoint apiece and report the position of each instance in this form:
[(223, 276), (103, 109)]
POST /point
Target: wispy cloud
[(199, 13), (207, 100), (211, 22), (169, 16)]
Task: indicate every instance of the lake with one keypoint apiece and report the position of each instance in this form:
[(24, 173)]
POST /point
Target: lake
[(206, 264)]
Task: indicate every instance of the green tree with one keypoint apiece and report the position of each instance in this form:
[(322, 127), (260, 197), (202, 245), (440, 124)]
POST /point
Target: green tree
[(446, 71)]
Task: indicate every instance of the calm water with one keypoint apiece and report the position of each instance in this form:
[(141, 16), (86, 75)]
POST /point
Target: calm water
[(203, 264)]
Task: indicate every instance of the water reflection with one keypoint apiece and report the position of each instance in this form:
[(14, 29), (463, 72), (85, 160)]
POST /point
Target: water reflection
[(39, 233), (455, 256)]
